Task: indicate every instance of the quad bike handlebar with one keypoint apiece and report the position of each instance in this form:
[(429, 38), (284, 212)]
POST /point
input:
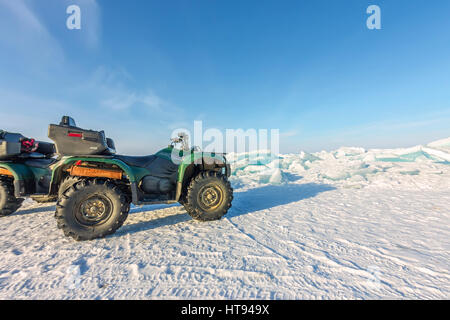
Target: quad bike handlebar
[(182, 139)]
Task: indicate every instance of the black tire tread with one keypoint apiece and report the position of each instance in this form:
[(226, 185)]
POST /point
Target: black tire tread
[(62, 204), (10, 203), (188, 197), (66, 183)]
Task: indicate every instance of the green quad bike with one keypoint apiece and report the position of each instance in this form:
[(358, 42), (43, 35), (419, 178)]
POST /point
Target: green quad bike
[(95, 187)]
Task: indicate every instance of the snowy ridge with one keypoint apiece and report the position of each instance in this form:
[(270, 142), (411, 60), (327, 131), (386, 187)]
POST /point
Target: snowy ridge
[(352, 223), (347, 166)]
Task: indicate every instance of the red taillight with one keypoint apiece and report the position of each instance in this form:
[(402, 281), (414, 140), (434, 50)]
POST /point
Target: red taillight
[(74, 134)]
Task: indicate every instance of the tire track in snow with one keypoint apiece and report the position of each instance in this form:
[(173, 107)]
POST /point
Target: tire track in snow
[(285, 258)]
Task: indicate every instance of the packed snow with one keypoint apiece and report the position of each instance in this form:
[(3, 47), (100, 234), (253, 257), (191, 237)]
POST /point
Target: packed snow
[(351, 223)]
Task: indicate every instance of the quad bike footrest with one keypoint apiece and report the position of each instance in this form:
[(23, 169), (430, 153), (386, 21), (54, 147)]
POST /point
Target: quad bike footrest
[(43, 198)]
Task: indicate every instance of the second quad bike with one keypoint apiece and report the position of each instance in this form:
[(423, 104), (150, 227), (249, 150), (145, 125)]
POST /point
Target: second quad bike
[(25, 171), (26, 167), (95, 186)]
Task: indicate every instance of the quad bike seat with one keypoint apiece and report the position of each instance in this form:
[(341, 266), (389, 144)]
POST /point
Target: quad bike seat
[(40, 163), (46, 148), (156, 166), (136, 161), (15, 145), (161, 175)]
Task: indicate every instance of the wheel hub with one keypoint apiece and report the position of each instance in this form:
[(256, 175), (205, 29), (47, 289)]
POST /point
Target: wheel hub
[(94, 210), (210, 197)]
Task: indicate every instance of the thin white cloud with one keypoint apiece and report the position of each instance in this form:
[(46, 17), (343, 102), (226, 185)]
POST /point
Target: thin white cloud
[(29, 114), (21, 32), (115, 88), (24, 32), (119, 100), (24, 14), (36, 55), (152, 101), (381, 134), (392, 126), (124, 99), (290, 133)]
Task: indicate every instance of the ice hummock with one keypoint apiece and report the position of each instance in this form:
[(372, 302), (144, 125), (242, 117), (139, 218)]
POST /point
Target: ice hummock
[(347, 166)]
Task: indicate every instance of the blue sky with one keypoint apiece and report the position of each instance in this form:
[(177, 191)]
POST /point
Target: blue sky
[(141, 68)]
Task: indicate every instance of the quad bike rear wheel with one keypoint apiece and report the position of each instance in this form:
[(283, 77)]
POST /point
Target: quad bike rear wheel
[(67, 183), (91, 208), (208, 196), (8, 202)]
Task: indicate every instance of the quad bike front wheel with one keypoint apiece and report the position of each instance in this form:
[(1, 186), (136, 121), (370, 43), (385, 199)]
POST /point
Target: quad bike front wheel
[(91, 209), (8, 202), (208, 196)]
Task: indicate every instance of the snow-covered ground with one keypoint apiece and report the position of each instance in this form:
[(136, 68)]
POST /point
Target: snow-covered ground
[(345, 224)]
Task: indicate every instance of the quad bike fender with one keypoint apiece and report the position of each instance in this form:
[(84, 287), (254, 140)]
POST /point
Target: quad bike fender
[(131, 173), (207, 161), (204, 161), (23, 178), (212, 161), (59, 170)]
